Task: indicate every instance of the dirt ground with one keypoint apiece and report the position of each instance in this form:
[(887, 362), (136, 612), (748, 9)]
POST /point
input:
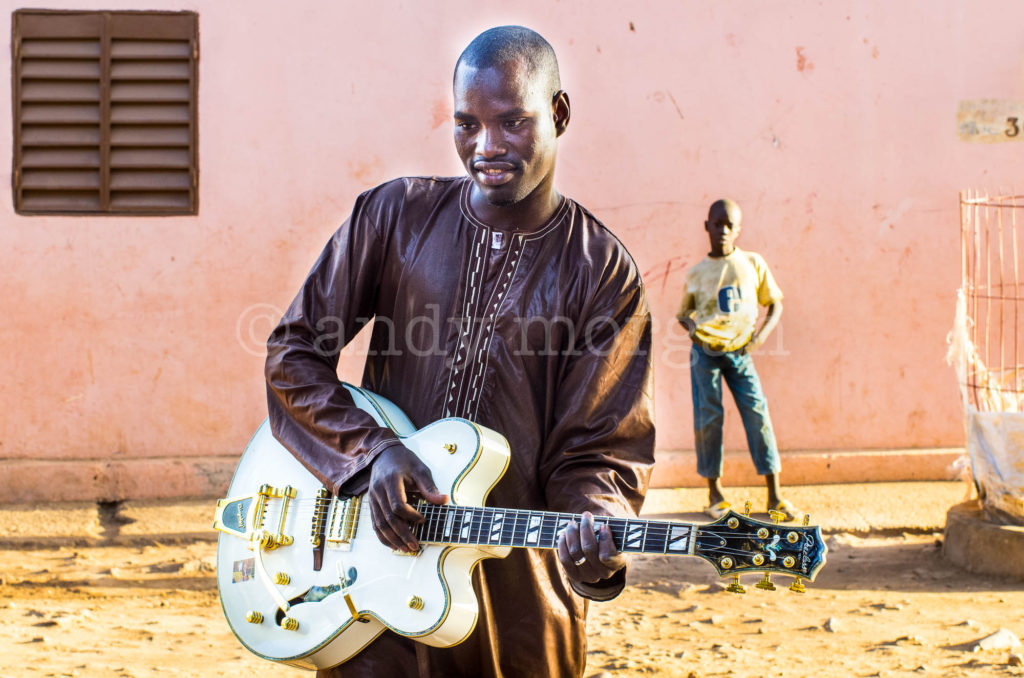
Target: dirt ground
[(883, 606)]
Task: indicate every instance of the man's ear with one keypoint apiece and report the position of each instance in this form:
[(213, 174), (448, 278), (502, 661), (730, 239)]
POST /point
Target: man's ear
[(560, 111)]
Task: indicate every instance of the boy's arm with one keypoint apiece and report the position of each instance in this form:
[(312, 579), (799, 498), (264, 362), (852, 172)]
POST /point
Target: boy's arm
[(771, 319), (686, 313)]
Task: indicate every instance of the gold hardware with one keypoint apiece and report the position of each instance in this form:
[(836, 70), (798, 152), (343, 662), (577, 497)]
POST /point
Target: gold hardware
[(746, 508), (766, 583), (736, 586), (788, 561), (776, 516), (243, 516), (733, 522), (320, 506), (758, 559), (807, 519), (762, 532), (451, 447), (268, 541), (254, 617), (282, 579), (797, 586), (416, 603), (351, 607), (726, 563), (341, 528), (792, 537), (290, 624)]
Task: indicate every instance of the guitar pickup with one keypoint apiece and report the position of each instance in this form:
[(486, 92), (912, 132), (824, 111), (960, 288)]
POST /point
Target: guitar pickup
[(342, 522)]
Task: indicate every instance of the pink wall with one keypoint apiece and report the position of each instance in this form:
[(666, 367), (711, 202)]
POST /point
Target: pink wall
[(832, 124)]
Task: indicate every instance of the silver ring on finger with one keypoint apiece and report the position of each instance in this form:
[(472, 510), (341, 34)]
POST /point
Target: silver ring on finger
[(579, 561)]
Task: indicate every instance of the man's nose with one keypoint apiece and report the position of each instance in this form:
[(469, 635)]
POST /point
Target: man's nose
[(491, 143)]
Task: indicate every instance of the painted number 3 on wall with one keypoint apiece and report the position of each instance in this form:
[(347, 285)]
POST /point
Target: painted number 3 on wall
[(1012, 128)]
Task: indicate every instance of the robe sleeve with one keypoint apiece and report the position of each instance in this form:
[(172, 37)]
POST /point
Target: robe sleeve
[(311, 413), (599, 454)]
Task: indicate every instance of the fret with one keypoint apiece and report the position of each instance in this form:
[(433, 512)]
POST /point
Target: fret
[(497, 524), (449, 520), (533, 529), (562, 521), (634, 536), (599, 521), (519, 528), (548, 527), (677, 538), (466, 524), (483, 532)]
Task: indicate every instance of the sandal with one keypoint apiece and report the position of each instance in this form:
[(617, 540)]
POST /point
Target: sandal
[(718, 510), (790, 513)]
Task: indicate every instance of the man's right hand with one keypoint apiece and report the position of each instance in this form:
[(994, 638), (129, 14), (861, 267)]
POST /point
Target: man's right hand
[(395, 471)]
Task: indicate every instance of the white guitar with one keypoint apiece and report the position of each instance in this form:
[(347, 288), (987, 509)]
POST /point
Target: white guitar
[(304, 580)]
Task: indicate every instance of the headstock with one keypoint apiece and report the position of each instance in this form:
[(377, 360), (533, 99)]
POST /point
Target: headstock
[(738, 544)]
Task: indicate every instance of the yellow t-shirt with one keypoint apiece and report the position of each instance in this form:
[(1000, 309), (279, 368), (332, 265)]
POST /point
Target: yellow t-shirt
[(725, 293)]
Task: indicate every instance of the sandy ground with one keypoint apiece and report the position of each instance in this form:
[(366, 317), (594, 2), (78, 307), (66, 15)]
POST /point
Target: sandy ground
[(128, 589), (883, 606)]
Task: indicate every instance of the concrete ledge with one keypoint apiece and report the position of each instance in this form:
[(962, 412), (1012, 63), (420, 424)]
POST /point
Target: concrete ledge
[(973, 543), (27, 480), (679, 468)]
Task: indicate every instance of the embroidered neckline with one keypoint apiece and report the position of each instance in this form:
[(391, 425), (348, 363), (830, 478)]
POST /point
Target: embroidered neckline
[(547, 227)]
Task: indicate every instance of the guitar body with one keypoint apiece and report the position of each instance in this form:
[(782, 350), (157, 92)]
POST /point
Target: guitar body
[(341, 600)]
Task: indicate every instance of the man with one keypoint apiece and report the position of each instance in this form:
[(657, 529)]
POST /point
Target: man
[(496, 299)]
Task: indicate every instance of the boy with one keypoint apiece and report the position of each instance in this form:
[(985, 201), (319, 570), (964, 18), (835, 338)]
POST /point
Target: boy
[(719, 310)]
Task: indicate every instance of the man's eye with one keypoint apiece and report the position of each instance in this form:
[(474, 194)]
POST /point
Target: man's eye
[(467, 126), (517, 122)]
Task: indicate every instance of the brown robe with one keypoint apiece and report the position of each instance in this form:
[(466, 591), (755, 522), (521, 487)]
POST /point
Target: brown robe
[(543, 336)]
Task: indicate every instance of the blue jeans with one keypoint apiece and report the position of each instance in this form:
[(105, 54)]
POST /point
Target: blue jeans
[(707, 368)]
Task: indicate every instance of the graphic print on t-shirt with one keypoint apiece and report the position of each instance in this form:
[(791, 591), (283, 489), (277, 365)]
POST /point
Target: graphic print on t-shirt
[(729, 299)]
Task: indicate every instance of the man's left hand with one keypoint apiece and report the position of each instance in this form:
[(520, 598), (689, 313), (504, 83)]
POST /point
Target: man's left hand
[(589, 556)]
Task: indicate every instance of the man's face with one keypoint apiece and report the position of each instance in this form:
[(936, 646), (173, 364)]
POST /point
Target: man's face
[(505, 130)]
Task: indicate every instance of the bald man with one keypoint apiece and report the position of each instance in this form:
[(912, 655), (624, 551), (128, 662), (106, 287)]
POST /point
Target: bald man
[(497, 299)]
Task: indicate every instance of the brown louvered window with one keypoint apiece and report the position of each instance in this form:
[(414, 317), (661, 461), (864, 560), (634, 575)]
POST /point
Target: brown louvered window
[(105, 112)]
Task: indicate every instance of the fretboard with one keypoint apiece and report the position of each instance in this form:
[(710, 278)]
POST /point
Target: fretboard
[(485, 526)]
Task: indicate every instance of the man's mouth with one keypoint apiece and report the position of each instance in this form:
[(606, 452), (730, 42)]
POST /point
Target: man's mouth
[(494, 173)]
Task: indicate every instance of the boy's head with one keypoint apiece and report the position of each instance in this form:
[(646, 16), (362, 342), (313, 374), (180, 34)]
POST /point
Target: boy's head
[(723, 226)]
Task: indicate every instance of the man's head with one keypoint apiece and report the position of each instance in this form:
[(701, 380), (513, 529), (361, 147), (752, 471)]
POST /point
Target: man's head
[(509, 111), (723, 226)]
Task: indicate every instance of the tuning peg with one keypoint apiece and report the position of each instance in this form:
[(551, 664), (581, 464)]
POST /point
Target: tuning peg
[(797, 586), (807, 519), (736, 586), (746, 508), (766, 583), (776, 516)]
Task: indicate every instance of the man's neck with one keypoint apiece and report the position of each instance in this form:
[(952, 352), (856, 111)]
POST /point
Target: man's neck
[(528, 214)]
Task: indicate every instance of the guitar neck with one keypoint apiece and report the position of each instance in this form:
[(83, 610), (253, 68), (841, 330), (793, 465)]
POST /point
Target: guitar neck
[(486, 526)]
